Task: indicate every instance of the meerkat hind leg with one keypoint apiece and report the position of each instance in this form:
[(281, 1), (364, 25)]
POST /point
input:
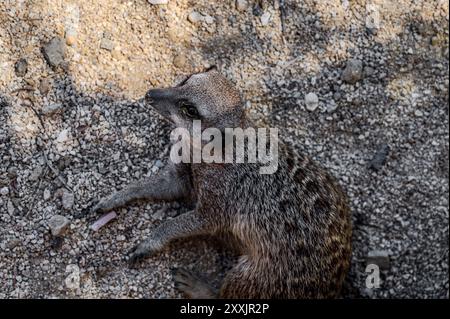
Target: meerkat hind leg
[(193, 286)]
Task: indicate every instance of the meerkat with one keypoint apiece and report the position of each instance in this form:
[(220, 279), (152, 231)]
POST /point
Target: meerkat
[(293, 227)]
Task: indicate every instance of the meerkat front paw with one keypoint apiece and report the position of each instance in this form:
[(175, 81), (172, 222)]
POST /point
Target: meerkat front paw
[(143, 250)]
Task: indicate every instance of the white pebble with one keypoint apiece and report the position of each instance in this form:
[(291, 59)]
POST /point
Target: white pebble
[(158, 1), (311, 101), (265, 18), (4, 191)]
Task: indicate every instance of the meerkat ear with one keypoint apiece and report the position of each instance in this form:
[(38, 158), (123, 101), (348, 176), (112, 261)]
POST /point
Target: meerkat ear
[(211, 68)]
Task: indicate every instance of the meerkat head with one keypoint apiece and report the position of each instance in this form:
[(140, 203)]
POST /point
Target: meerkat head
[(207, 96)]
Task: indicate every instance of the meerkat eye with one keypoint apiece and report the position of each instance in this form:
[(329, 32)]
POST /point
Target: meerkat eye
[(188, 109)]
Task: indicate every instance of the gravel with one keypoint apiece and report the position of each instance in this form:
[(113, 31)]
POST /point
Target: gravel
[(381, 72)]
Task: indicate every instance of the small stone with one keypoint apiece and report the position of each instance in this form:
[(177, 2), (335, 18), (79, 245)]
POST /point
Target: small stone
[(380, 157), (158, 1), (368, 71), (10, 208), (353, 71), (241, 5), (337, 96), (435, 41), (159, 164), (44, 86), (331, 106), (418, 113), (12, 172), (311, 101), (54, 52), (379, 258), (67, 200), (72, 281), (21, 67), (121, 238), (257, 9), (265, 18), (51, 108), (116, 156), (58, 225), (208, 19), (36, 173), (63, 136), (160, 213), (194, 17), (70, 40), (116, 54), (179, 61), (372, 24), (47, 194), (107, 44), (4, 191)]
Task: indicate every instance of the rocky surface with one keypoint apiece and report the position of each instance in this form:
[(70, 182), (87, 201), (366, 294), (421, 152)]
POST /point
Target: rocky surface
[(73, 130)]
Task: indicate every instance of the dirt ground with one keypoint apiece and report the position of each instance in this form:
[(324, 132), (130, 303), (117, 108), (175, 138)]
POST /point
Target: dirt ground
[(73, 129)]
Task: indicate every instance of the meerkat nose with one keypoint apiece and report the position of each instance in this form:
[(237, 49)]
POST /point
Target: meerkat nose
[(155, 95)]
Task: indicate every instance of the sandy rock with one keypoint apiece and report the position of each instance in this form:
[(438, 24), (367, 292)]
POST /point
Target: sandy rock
[(71, 40), (67, 200), (21, 67), (10, 208), (241, 5), (36, 173), (51, 108), (311, 101), (353, 71), (180, 61), (4, 191), (208, 19), (380, 157), (265, 18), (47, 194), (63, 140), (58, 225), (195, 17), (158, 1), (107, 44), (54, 52), (44, 86)]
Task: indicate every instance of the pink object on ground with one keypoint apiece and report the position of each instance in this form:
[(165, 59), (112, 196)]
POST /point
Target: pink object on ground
[(102, 221)]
